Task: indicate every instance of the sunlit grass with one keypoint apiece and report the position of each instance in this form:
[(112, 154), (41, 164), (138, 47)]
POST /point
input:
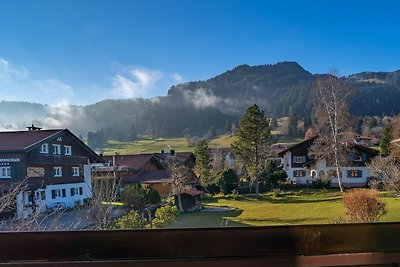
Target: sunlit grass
[(154, 145), (293, 207)]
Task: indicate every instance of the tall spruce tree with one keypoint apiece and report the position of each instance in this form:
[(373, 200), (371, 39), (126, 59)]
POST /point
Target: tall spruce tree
[(253, 143), (203, 162), (385, 139)]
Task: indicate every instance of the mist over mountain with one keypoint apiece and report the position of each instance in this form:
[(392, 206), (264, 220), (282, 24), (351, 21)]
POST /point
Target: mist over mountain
[(211, 105)]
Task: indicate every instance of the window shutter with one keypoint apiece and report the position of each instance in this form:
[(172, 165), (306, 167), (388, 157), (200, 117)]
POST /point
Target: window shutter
[(13, 172), (359, 173), (80, 191), (294, 173), (72, 192), (304, 173), (53, 194), (64, 193)]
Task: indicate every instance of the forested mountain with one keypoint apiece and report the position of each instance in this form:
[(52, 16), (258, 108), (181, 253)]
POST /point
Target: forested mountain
[(212, 105)]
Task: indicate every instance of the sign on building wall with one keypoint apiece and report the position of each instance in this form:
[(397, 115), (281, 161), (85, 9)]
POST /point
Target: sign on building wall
[(35, 172)]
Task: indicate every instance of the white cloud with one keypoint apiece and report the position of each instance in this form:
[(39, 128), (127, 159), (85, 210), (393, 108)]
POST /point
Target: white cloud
[(62, 115), (141, 82), (202, 98), (138, 83), (55, 88), (177, 77), (8, 71)]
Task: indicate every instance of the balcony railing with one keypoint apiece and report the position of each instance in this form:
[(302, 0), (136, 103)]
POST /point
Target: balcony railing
[(305, 245), (55, 159)]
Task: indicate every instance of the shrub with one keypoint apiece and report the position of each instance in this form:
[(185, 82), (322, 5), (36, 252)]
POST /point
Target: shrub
[(134, 196), (153, 197), (131, 220), (363, 206), (321, 183), (164, 216)]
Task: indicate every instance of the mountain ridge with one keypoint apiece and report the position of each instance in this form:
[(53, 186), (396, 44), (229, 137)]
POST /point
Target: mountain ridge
[(200, 106)]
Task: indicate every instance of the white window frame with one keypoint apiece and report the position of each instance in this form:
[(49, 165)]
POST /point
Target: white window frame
[(5, 172), (56, 149), (74, 191), (57, 193), (67, 150), (75, 171), (299, 159), (44, 148), (57, 171)]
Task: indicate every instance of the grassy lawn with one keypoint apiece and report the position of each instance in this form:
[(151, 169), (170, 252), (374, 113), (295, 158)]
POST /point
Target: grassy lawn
[(288, 208), (152, 145)]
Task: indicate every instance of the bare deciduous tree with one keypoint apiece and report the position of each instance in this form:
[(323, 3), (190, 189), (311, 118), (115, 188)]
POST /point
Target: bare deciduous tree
[(332, 121), (104, 193), (180, 180), (387, 171)]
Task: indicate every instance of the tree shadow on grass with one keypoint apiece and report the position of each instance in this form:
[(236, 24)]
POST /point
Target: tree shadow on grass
[(282, 199), (284, 221)]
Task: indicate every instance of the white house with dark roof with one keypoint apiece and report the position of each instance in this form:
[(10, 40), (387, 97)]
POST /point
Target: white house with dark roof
[(303, 170), (53, 165)]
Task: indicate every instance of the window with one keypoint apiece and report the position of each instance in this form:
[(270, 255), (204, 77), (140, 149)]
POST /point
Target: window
[(58, 193), (74, 191), (44, 148), (80, 191), (299, 159), (57, 171), (75, 171), (299, 173), (354, 174), (40, 195), (333, 174), (57, 149), (67, 150), (5, 172), (357, 157)]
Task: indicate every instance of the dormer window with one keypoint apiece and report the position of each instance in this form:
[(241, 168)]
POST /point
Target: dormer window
[(44, 148), (67, 150), (299, 159), (56, 149), (357, 157)]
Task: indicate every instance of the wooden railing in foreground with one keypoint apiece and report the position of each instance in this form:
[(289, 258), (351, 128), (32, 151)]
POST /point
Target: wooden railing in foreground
[(310, 245)]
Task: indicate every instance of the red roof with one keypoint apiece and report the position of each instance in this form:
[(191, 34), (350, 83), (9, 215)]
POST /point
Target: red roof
[(147, 176), (20, 140), (130, 161), (193, 192)]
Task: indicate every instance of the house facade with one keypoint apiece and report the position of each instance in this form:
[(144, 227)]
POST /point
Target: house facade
[(51, 166), (303, 170), (149, 170)]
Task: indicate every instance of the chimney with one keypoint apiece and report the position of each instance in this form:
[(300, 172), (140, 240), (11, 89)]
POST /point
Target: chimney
[(33, 128), (162, 151), (172, 152)]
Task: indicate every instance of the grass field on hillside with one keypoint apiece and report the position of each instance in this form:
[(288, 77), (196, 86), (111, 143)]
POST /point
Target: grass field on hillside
[(152, 145), (289, 208)]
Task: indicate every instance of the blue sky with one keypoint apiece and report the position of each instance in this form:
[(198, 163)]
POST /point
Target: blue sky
[(80, 52)]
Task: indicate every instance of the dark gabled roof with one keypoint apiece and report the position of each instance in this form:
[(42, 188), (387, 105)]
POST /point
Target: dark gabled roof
[(366, 149), (133, 161), (28, 140), (21, 140), (369, 150), (282, 153)]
